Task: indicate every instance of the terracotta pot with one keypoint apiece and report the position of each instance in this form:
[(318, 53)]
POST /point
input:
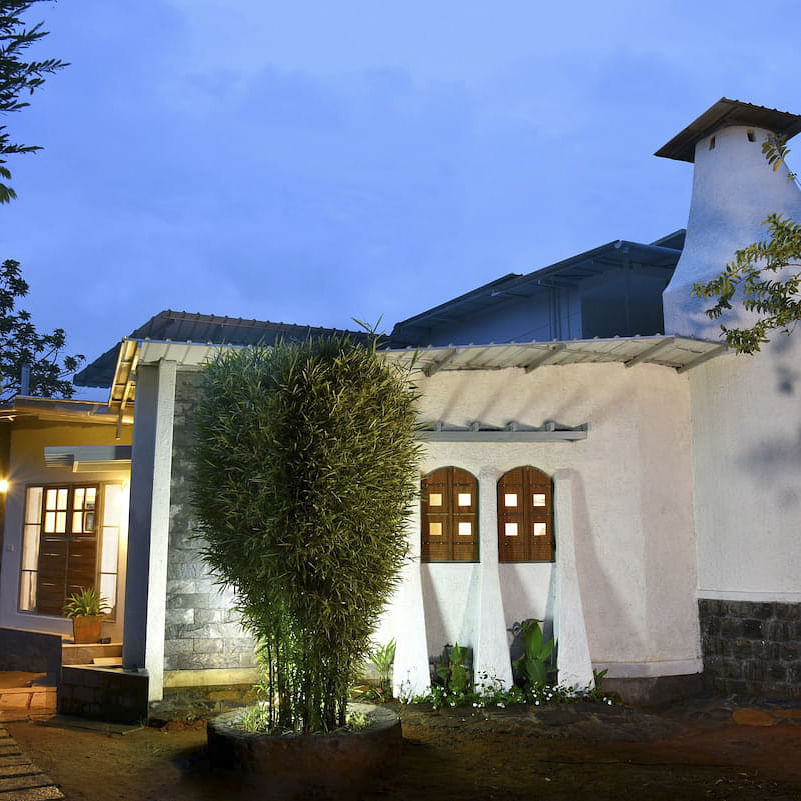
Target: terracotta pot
[(87, 629)]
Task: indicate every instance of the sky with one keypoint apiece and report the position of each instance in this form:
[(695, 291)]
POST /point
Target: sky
[(314, 162)]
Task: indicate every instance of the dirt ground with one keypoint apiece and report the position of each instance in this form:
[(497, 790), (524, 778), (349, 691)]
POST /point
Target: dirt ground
[(704, 749)]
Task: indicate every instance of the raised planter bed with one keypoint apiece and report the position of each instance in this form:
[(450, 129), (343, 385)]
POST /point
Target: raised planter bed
[(318, 766)]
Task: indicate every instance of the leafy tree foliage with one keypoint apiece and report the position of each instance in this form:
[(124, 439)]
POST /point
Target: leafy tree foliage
[(305, 469), (21, 344), (18, 77), (768, 273)]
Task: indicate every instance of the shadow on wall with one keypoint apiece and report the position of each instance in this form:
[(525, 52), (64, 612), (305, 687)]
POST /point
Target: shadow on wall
[(450, 604), (783, 350), (604, 605), (776, 463)]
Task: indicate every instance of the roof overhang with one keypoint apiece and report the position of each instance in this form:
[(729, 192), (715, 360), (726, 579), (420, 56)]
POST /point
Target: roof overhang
[(512, 432), (56, 410), (726, 113), (89, 458), (677, 353)]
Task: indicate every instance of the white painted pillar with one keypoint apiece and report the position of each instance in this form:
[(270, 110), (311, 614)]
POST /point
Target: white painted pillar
[(492, 645), (570, 631), (148, 530), (410, 671)]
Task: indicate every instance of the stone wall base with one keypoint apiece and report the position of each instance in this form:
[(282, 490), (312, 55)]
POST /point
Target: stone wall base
[(197, 703), (751, 647), (654, 690), (116, 696), (32, 651)]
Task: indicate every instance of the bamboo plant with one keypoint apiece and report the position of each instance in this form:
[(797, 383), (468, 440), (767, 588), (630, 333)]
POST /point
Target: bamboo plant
[(305, 470)]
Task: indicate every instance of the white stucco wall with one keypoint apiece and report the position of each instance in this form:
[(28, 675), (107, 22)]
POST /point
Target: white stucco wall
[(734, 190), (151, 463), (747, 432), (28, 442), (745, 409), (631, 506)]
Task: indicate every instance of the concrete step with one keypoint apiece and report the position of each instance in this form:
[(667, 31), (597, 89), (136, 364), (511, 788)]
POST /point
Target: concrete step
[(78, 654), (23, 702)]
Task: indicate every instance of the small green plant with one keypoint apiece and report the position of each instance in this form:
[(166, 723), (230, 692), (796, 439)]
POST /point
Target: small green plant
[(257, 720), (490, 692), (382, 658), (88, 602), (454, 671), (596, 691), (534, 666)]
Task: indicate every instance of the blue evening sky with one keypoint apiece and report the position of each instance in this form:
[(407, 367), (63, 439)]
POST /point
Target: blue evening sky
[(311, 162)]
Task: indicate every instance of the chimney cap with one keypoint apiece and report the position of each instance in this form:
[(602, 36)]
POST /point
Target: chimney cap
[(724, 113)]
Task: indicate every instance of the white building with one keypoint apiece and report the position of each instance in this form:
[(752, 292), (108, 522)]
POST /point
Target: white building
[(596, 460)]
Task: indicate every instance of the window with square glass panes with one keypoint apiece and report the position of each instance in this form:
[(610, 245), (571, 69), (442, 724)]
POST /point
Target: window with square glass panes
[(525, 516), (449, 516), (70, 542)]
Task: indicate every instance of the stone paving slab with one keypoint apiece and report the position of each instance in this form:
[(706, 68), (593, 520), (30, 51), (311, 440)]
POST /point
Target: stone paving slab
[(11, 761), (49, 793), (20, 779)]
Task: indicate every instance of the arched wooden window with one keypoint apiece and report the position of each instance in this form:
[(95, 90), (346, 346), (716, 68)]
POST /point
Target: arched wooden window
[(525, 516), (449, 516)]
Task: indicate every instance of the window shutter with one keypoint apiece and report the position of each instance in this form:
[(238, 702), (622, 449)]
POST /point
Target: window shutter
[(435, 505), (512, 518), (449, 516), (464, 503), (541, 523), (525, 516)]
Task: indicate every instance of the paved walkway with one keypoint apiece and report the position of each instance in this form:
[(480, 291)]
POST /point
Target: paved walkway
[(20, 779)]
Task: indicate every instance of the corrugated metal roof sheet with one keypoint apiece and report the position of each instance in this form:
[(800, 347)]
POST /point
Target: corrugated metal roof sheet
[(188, 326), (728, 112), (679, 353), (584, 265)]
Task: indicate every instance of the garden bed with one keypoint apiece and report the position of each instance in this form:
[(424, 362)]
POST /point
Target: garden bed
[(333, 765)]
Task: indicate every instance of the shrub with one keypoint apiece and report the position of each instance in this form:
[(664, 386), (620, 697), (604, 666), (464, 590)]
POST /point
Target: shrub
[(305, 469)]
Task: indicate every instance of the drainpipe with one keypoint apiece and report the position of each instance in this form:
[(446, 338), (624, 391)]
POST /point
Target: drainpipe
[(25, 380)]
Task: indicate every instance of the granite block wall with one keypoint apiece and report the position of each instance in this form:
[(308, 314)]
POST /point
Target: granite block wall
[(113, 695), (202, 629), (31, 651), (751, 647)]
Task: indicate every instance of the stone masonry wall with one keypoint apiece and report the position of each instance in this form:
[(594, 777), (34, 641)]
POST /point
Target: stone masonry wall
[(751, 648), (202, 629)]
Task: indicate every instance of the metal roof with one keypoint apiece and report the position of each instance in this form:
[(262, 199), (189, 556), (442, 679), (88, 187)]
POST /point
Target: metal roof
[(562, 273), (187, 326), (728, 112), (57, 409), (477, 431), (679, 353)]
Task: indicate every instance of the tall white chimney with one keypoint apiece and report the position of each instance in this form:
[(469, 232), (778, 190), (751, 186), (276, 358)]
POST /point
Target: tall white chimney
[(734, 190)]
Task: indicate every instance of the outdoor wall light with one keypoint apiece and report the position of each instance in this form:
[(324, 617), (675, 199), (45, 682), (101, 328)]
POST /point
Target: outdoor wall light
[(3, 486)]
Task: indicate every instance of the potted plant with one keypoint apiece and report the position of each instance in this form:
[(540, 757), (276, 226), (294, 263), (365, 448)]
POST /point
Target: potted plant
[(86, 608)]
